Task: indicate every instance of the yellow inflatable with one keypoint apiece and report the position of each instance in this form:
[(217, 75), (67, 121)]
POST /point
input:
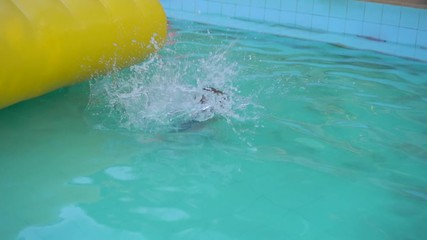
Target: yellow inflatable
[(48, 44)]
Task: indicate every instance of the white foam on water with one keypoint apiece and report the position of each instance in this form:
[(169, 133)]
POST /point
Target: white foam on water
[(168, 92)]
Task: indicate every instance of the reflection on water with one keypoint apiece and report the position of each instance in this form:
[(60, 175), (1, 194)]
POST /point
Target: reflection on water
[(305, 145), (73, 224)]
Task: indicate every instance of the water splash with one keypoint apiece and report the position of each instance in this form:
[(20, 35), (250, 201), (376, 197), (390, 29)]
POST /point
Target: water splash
[(168, 92)]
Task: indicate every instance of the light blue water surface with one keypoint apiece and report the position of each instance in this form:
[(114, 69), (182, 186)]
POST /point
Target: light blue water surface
[(332, 145)]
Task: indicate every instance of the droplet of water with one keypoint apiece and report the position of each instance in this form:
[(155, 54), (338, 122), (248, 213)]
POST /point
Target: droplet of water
[(167, 93)]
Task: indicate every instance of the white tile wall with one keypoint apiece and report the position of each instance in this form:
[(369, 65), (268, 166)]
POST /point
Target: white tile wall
[(356, 10), (373, 12), (409, 17), (353, 27), (320, 23), (422, 38), (321, 7), (422, 24), (272, 15), (338, 9), (390, 23)]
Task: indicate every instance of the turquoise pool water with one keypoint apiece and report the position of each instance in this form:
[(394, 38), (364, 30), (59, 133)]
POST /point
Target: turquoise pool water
[(316, 141)]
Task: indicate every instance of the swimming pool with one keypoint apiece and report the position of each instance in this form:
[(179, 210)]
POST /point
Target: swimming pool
[(319, 141)]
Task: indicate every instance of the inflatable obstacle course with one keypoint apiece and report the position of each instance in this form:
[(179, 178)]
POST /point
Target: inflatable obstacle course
[(48, 44)]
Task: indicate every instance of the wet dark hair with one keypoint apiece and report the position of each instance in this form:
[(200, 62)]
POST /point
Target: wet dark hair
[(210, 89), (214, 90)]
